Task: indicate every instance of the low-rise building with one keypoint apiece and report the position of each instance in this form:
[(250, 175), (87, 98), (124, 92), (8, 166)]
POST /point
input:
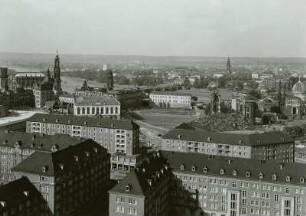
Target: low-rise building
[(20, 197), (219, 186), (119, 137), (106, 106), (170, 100), (144, 191), (69, 178), (274, 145)]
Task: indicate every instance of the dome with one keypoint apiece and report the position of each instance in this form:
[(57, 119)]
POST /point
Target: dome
[(299, 87)]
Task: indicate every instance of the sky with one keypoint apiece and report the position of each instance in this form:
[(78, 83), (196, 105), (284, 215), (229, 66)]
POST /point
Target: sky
[(255, 28)]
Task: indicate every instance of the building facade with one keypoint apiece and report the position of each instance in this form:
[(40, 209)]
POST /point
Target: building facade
[(144, 191), (262, 146), (20, 197), (42, 94), (28, 80), (105, 105), (70, 178), (170, 100), (221, 187), (119, 137), (3, 79)]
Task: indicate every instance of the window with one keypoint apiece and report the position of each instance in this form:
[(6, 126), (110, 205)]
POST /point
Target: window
[(205, 169)]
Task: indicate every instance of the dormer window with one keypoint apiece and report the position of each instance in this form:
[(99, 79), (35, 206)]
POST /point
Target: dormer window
[(240, 141), (208, 139), (150, 182), (5, 142), (85, 122), (193, 168), (56, 120), (61, 166), (182, 167), (54, 148), (248, 174), (87, 154), (302, 180), (44, 169), (44, 119), (205, 169), (222, 171), (76, 158), (3, 204), (95, 149), (274, 177), (179, 136), (260, 175), (288, 178), (235, 172), (26, 193), (17, 144), (69, 121), (128, 188), (258, 142)]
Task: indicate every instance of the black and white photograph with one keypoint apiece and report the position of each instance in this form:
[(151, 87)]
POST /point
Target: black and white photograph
[(153, 108)]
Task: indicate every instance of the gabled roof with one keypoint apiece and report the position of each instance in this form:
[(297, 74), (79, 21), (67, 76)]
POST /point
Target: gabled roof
[(97, 100), (70, 159), (84, 121), (207, 165), (17, 192), (138, 179), (37, 142), (185, 126), (250, 139)]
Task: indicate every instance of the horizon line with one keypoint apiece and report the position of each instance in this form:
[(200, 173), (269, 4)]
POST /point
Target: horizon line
[(144, 55)]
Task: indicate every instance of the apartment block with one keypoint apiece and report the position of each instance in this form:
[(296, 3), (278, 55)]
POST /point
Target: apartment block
[(144, 191), (68, 179), (218, 186), (119, 137), (274, 145), (170, 99)]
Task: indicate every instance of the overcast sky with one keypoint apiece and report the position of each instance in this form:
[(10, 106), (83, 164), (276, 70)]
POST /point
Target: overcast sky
[(155, 27)]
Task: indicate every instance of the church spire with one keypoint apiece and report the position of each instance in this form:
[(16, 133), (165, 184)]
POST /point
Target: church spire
[(228, 65), (57, 75)]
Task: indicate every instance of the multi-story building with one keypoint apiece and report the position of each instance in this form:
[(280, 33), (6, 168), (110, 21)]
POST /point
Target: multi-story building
[(68, 178), (170, 100), (274, 145), (3, 79), (15, 147), (119, 137), (20, 197), (219, 186), (106, 106), (144, 191), (43, 93)]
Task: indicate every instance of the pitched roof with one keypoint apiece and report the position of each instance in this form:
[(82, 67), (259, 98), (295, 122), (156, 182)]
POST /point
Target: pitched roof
[(137, 180), (295, 171), (170, 93), (250, 139), (185, 126), (69, 159), (37, 142), (17, 192), (84, 120), (96, 100)]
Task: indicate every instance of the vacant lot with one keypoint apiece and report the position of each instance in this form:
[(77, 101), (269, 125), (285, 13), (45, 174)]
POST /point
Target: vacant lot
[(166, 118)]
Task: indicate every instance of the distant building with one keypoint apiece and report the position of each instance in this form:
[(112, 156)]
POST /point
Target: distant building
[(299, 90), (109, 80), (43, 93), (294, 107), (170, 100), (119, 137), (129, 98), (88, 91), (262, 146), (144, 191), (106, 106), (228, 66), (205, 185), (67, 99), (20, 197), (3, 79), (68, 178), (28, 80), (57, 87)]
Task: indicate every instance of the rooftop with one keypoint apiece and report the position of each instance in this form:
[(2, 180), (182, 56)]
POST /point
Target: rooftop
[(270, 171), (170, 93), (37, 142), (143, 178), (30, 74), (84, 121), (70, 159), (97, 100), (249, 139), (16, 192)]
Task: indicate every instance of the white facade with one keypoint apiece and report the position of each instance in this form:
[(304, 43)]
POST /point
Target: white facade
[(103, 110), (170, 100)]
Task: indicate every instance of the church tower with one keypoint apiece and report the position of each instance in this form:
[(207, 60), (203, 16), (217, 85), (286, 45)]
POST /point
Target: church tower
[(228, 66), (57, 76), (109, 80), (3, 79)]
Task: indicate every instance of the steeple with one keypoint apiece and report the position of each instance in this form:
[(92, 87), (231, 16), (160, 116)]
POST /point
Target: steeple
[(57, 75), (228, 65)]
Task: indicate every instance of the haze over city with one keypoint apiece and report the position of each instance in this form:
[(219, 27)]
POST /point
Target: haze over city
[(260, 28)]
